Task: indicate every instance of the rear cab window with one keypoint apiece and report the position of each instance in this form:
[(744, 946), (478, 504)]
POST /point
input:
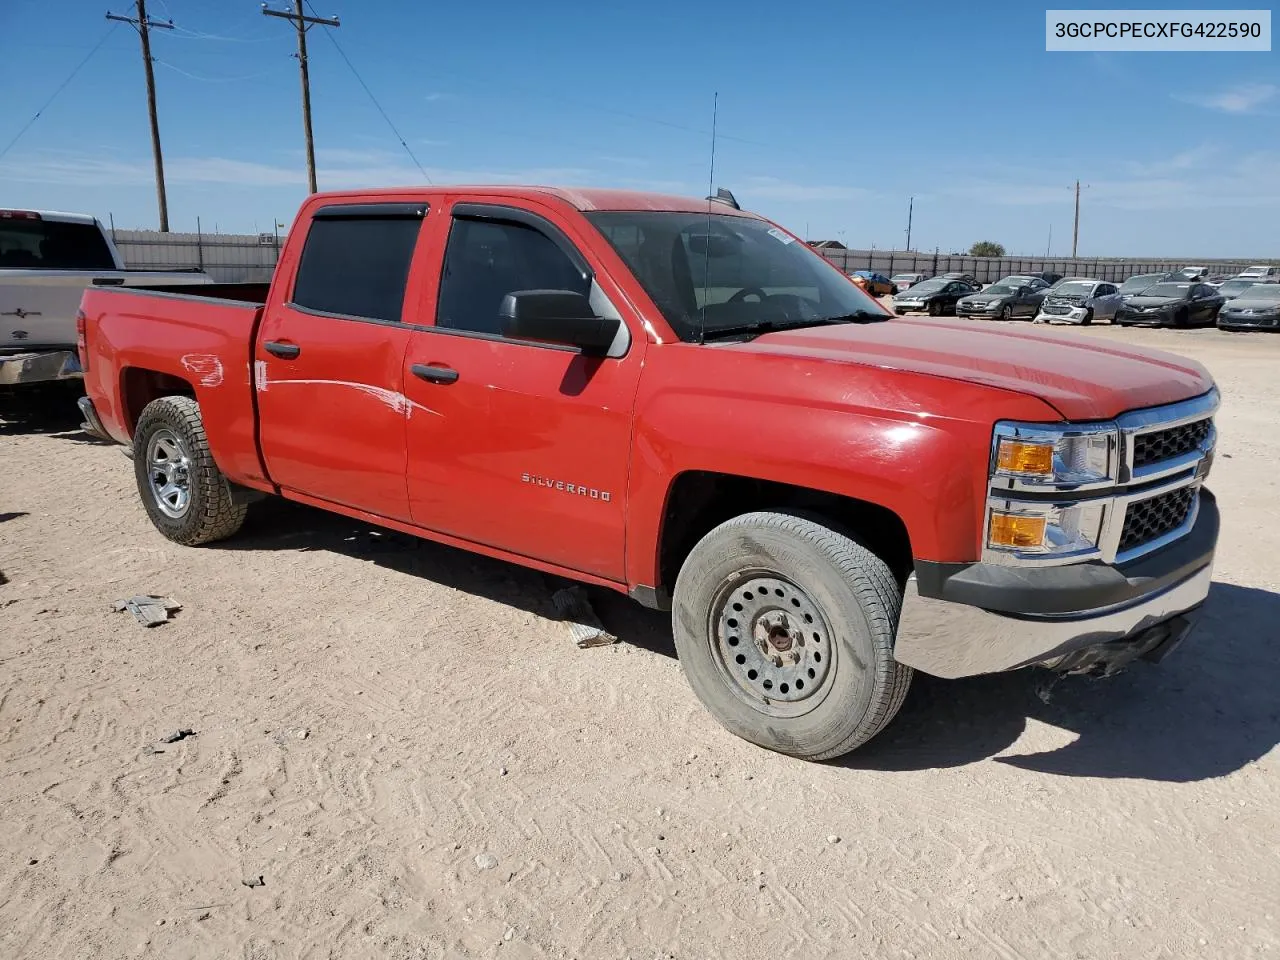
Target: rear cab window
[(355, 262), (31, 244)]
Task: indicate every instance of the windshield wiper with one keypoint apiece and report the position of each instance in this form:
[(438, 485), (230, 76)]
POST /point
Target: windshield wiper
[(773, 326)]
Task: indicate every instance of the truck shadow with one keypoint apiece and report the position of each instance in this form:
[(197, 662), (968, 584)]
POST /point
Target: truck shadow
[(1208, 710), (277, 524), (49, 409)]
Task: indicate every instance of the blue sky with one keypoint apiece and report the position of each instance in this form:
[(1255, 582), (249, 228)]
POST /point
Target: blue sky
[(830, 117)]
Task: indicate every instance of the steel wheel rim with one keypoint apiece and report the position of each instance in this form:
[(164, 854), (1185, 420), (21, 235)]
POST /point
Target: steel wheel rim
[(169, 473), (772, 643)]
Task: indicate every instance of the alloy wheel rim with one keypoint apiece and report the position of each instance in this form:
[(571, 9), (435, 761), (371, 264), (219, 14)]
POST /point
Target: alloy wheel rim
[(169, 473)]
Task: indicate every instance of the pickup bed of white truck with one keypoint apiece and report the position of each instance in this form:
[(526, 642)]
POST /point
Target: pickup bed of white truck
[(47, 259)]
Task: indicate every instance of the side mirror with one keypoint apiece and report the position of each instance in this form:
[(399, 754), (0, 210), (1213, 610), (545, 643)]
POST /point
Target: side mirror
[(556, 316)]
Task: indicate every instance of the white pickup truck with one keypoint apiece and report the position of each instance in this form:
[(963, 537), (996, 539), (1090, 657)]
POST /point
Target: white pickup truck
[(47, 259)]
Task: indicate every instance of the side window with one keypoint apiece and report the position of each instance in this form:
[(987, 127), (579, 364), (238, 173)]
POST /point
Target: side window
[(486, 260), (356, 266)]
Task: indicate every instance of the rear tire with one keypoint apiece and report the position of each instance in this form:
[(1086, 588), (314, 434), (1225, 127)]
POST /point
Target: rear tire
[(829, 604), (183, 491)]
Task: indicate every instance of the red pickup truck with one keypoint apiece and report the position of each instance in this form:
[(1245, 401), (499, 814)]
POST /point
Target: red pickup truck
[(679, 400)]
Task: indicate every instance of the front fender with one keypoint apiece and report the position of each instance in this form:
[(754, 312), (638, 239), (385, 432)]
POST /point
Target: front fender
[(916, 445)]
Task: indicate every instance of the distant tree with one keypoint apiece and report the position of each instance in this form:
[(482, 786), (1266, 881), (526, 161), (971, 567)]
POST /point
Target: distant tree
[(986, 248)]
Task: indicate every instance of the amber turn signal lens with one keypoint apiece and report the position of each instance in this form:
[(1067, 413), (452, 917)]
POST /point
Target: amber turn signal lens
[(1016, 530), (1032, 459)]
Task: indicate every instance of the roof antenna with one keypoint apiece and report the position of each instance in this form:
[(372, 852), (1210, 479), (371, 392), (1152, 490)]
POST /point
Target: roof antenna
[(706, 260)]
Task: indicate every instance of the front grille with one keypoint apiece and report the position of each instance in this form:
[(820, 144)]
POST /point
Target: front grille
[(1057, 309), (1158, 445), (1148, 519)]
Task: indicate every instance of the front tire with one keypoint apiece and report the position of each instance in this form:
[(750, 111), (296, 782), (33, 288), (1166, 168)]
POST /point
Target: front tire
[(1006, 313), (935, 308), (1088, 318), (184, 493), (785, 629)]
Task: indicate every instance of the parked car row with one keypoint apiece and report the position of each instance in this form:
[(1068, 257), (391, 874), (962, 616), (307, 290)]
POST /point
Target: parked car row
[(1250, 300)]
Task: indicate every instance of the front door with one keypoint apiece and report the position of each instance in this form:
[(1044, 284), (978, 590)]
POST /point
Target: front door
[(329, 362), (517, 445)]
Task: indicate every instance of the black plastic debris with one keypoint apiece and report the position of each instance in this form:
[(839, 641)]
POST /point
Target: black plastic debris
[(177, 735), (254, 882), (585, 628), (150, 610)]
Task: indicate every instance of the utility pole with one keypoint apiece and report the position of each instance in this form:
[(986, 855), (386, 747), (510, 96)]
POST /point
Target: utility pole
[(910, 205), (303, 24), (1049, 245), (143, 25)]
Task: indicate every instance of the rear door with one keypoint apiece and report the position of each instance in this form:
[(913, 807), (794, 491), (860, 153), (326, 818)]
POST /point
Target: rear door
[(329, 360), (521, 446)]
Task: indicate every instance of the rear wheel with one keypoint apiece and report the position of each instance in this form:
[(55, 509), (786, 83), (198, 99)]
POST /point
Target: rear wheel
[(785, 630), (184, 493)]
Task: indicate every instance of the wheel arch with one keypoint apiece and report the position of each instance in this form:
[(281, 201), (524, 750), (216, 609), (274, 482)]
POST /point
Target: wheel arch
[(697, 501)]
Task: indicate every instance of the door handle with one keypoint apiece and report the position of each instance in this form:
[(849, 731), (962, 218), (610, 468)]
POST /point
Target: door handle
[(434, 374), (285, 351)]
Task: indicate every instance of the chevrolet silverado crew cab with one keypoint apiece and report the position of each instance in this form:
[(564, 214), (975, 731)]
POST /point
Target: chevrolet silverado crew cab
[(680, 400), (46, 261)]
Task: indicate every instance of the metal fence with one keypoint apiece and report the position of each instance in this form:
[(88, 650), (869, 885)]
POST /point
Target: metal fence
[(246, 258), (227, 257), (990, 269)]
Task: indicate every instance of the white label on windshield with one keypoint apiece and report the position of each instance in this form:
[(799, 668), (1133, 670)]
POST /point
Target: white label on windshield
[(780, 236)]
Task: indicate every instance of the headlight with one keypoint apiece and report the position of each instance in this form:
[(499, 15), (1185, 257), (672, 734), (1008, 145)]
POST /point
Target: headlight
[(1044, 529), (1047, 457)]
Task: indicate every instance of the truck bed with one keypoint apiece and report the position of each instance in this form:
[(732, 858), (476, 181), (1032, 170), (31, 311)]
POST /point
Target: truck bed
[(198, 344)]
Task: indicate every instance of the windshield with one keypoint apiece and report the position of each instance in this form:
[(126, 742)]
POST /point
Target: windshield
[(929, 286), (1002, 288), (1190, 271), (1138, 284), (1233, 288), (715, 272), (1262, 291), (1074, 288), (904, 276), (1167, 290), (1254, 272), (53, 245)]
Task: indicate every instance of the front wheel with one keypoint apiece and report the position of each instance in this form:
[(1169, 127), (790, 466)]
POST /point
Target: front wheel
[(935, 308), (1005, 312), (1088, 318), (785, 629), (184, 493)]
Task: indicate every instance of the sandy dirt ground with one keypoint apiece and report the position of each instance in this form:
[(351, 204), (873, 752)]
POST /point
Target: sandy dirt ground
[(402, 743)]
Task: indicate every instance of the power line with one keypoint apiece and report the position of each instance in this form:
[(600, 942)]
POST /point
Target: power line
[(62, 86), (360, 80), (194, 76)]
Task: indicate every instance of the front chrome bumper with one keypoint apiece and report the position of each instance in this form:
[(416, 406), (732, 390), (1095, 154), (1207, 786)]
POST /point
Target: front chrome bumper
[(950, 640), (39, 367)]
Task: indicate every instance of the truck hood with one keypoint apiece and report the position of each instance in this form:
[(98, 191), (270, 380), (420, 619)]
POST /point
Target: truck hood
[(1082, 378)]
